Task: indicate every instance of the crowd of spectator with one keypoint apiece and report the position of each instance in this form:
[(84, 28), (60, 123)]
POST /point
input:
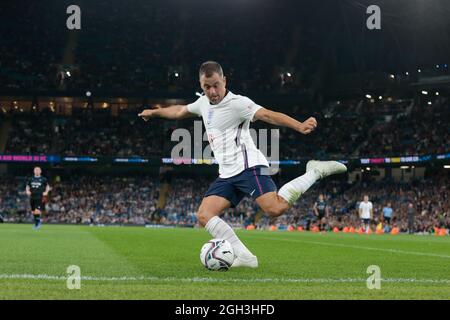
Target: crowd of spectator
[(429, 197), (86, 199), (352, 128), (86, 133), (30, 134), (133, 200), (430, 200), (421, 129)]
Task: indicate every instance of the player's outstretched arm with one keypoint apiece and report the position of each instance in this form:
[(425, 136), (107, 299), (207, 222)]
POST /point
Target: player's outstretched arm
[(280, 119), (173, 112)]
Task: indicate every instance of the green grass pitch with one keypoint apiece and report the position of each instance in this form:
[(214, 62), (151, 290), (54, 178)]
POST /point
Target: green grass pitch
[(144, 263)]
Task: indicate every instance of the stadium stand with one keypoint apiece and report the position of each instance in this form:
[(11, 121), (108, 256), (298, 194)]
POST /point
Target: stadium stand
[(359, 128), (133, 200)]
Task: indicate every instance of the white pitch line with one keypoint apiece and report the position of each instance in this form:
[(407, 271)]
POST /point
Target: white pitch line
[(362, 247), (215, 280)]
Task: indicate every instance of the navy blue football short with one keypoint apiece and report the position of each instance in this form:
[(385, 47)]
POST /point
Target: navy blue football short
[(254, 181)]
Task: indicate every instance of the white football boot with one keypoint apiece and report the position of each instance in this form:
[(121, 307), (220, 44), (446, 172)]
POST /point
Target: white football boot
[(245, 261), (326, 168)]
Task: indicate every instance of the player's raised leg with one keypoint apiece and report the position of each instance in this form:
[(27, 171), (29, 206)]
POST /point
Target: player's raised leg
[(272, 204), (208, 216), (275, 204), (315, 170)]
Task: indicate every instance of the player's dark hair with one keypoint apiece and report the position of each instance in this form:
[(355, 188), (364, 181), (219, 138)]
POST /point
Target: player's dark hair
[(208, 68)]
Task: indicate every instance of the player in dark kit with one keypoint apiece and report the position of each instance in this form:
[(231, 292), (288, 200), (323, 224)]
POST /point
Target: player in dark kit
[(320, 210), (37, 188)]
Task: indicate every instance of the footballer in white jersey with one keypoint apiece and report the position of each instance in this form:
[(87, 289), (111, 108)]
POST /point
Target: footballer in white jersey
[(227, 118), (366, 212), (227, 126)]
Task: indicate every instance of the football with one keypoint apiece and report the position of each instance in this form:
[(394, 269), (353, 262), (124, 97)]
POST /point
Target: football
[(217, 255)]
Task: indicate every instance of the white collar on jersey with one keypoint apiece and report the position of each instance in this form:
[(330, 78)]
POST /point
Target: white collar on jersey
[(227, 95)]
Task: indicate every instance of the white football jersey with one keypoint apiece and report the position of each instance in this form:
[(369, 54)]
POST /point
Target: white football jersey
[(365, 208), (227, 125)]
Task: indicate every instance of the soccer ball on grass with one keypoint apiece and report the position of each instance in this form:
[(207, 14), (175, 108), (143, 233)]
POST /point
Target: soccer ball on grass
[(217, 255)]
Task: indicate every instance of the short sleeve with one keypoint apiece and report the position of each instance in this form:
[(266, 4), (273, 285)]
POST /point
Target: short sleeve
[(195, 107), (246, 108)]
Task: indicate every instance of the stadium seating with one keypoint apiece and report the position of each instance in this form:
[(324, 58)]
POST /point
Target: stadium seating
[(133, 200), (349, 129)]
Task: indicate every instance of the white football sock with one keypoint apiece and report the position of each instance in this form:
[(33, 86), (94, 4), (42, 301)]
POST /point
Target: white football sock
[(219, 229), (292, 190)]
